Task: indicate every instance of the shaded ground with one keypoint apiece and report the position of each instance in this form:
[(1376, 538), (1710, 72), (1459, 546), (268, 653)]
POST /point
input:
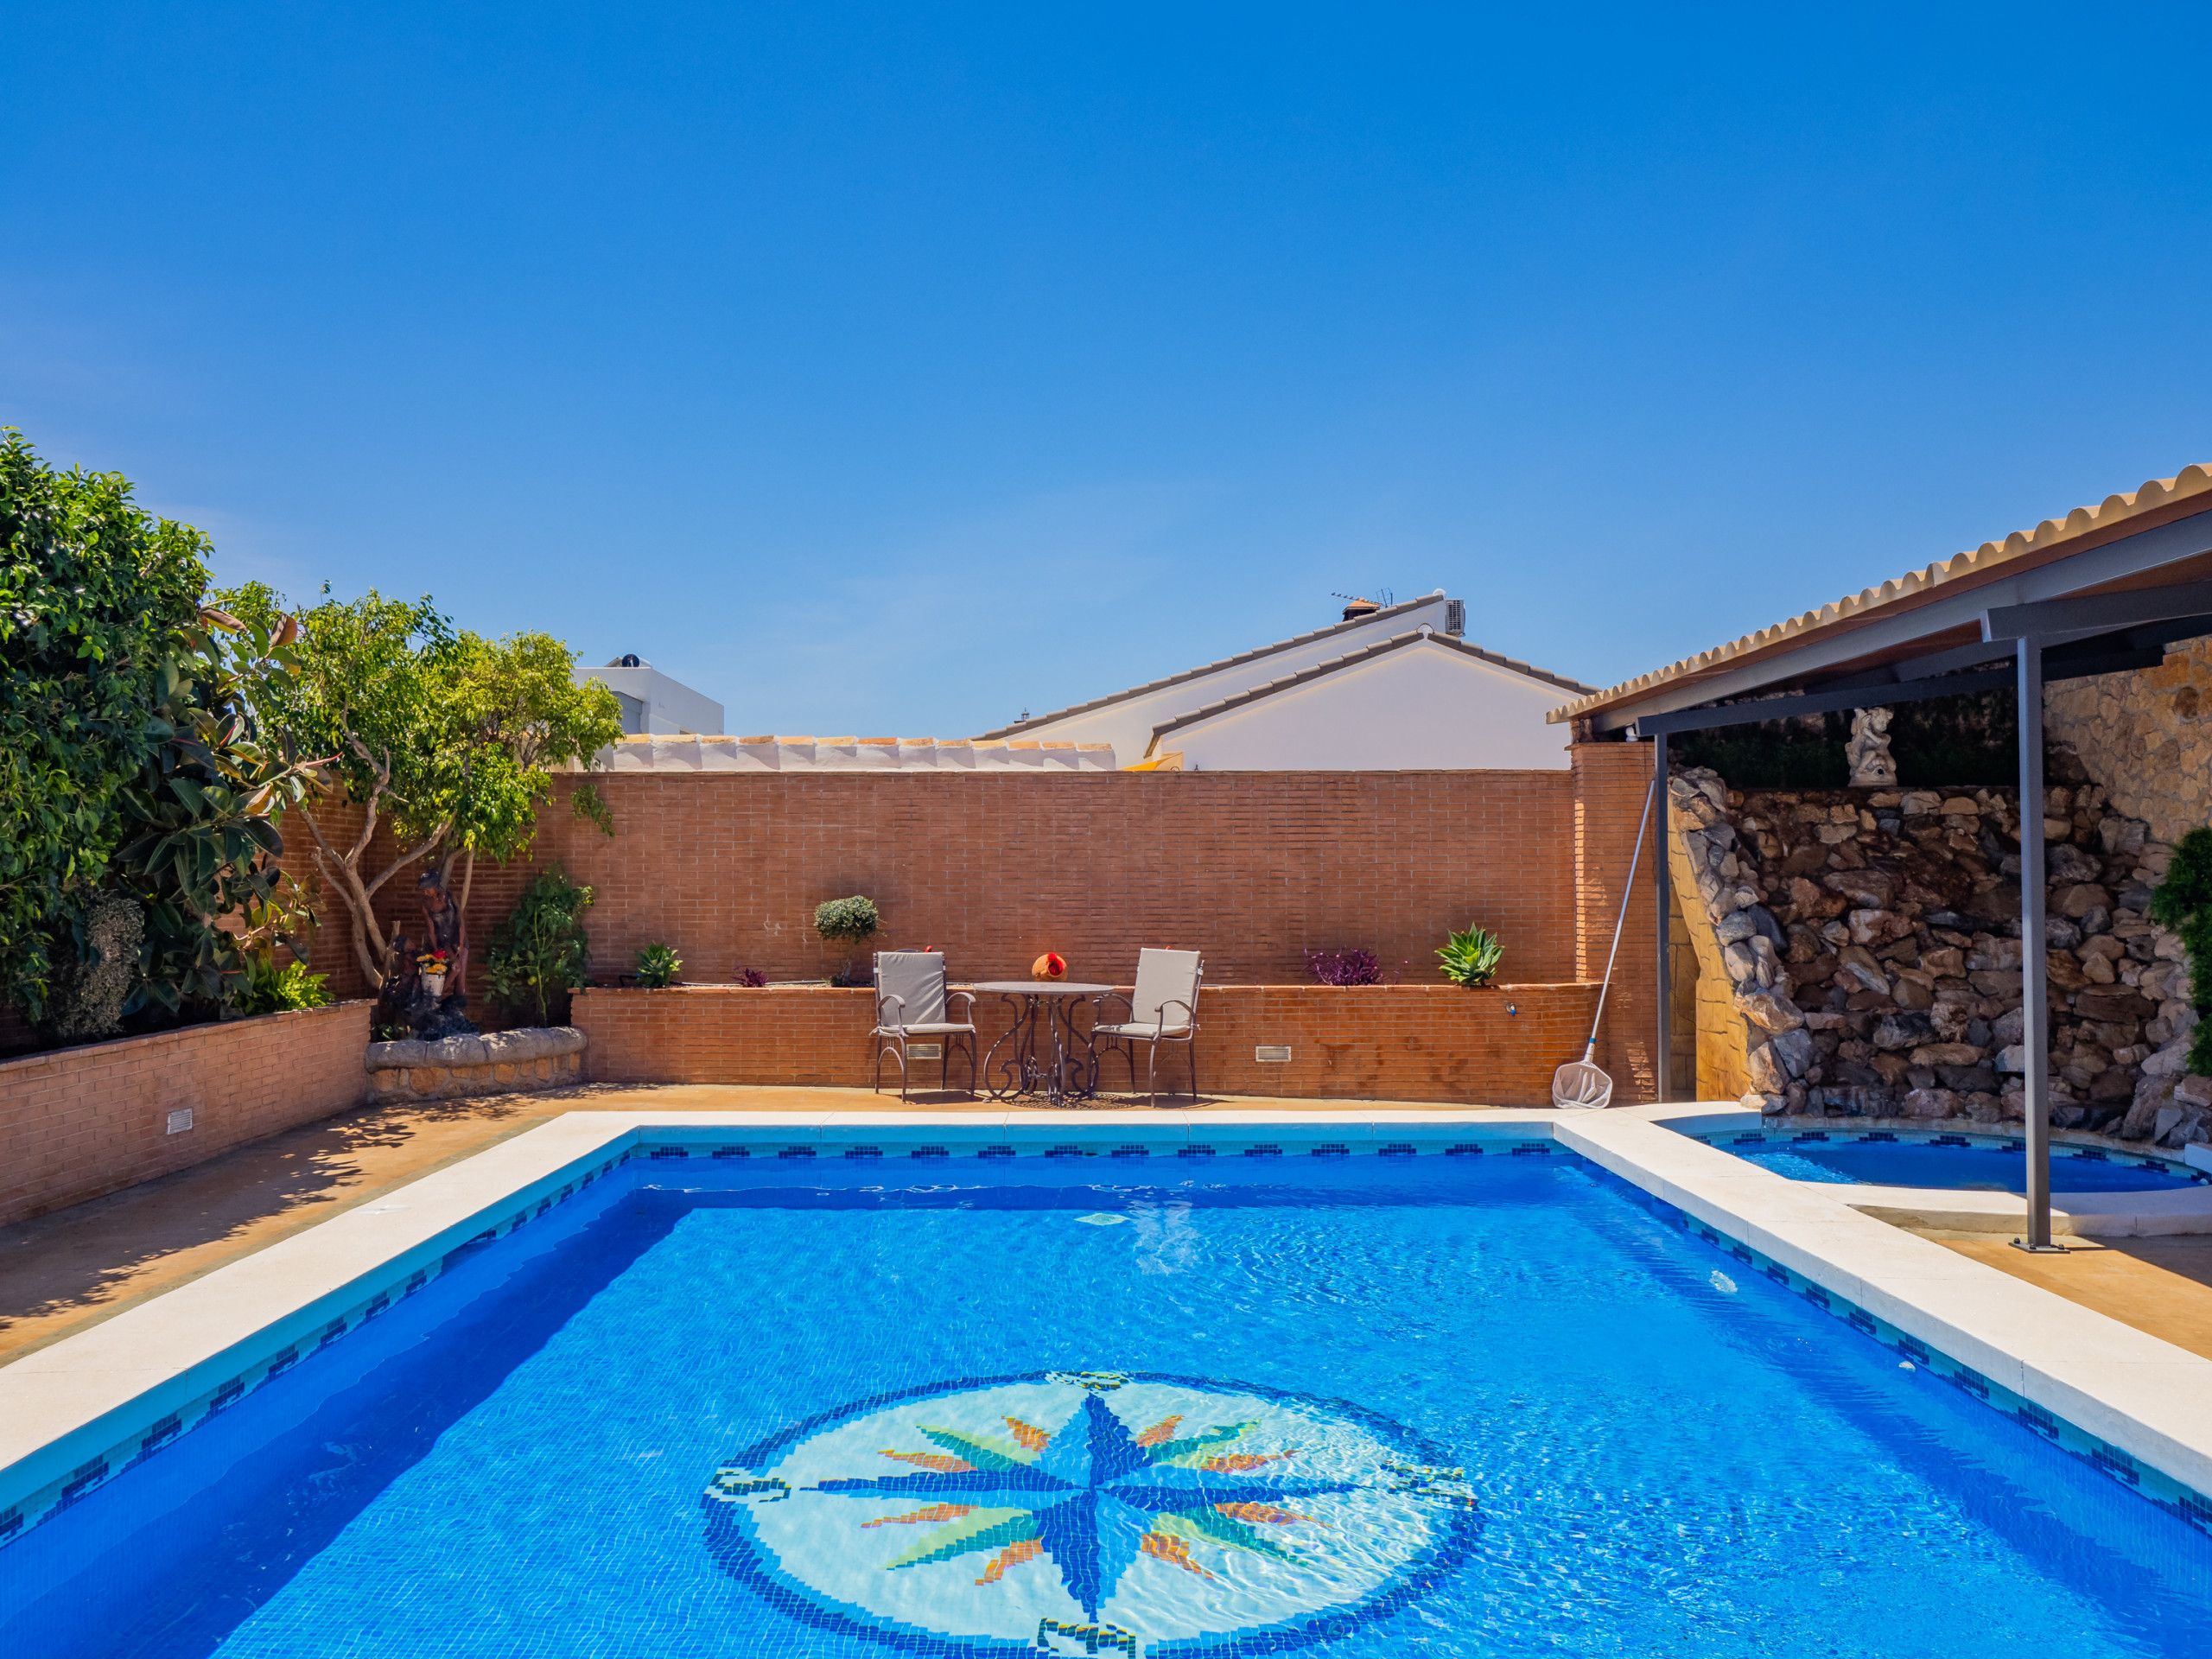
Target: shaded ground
[(62, 1272), (2160, 1286)]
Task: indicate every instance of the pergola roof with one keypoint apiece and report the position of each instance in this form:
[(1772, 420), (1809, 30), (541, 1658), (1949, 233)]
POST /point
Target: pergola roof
[(2156, 535)]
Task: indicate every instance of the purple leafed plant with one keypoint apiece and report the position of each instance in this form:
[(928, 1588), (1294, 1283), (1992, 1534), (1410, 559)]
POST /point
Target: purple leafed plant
[(752, 976), (1345, 967)]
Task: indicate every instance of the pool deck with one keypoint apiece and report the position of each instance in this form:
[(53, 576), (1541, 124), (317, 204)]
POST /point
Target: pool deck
[(64, 1272), (2161, 1286)]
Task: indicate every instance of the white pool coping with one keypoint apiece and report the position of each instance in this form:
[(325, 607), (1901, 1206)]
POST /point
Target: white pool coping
[(71, 1412), (2083, 1214)]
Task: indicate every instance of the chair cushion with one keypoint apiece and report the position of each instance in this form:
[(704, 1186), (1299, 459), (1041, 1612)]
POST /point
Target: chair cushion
[(929, 1029), (1141, 1030), (1165, 978), (917, 978)]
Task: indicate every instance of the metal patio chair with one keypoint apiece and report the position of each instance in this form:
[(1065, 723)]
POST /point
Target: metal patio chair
[(1162, 1008), (912, 1003)]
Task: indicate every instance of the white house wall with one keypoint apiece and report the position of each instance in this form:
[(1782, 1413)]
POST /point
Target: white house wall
[(1127, 724), (1421, 707), (672, 707)]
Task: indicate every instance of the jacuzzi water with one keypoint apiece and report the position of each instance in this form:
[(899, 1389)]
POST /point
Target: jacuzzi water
[(1433, 1406), (1981, 1167)]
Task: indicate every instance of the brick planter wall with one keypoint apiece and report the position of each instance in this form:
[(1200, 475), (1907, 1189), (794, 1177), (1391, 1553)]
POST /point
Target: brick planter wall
[(1387, 1042), (80, 1121)]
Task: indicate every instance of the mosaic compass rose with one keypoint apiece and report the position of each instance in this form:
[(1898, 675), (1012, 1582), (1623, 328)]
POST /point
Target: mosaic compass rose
[(1091, 1512)]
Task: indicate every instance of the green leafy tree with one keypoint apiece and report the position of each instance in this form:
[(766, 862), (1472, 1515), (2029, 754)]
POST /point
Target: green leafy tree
[(447, 739), (92, 588), (2184, 902), (205, 810), (541, 954)]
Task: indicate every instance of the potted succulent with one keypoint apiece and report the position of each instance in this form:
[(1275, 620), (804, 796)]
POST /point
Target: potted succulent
[(658, 967)]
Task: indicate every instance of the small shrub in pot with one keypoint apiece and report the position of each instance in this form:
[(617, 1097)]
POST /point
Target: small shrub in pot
[(850, 921)]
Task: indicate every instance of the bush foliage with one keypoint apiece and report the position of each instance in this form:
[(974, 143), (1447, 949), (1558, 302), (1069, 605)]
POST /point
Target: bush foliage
[(132, 769), (1942, 743), (542, 954), (2184, 902), (92, 588)]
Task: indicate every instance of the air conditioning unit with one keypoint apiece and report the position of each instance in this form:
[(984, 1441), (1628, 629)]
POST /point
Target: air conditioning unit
[(1455, 617)]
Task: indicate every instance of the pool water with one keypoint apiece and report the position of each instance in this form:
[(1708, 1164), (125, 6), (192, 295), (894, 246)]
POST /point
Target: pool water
[(1976, 1169), (1367, 1407)]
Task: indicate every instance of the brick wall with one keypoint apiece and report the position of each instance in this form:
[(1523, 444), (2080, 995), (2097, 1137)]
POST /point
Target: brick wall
[(1253, 868), (81, 1121), (1610, 784), (1405, 1042)]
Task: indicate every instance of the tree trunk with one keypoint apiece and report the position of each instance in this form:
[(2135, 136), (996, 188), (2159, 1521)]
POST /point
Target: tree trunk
[(343, 871)]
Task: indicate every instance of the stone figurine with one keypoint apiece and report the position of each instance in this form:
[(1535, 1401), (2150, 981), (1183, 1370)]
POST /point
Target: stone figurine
[(1869, 751), (445, 930)]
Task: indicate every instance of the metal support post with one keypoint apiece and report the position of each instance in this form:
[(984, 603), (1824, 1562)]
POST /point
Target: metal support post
[(1662, 1068), (2035, 1008)]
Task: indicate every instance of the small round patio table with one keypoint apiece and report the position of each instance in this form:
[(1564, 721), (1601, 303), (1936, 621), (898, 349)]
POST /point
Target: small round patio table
[(1045, 1063)]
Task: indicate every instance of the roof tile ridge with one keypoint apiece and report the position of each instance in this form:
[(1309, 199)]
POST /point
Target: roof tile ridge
[(2195, 479)]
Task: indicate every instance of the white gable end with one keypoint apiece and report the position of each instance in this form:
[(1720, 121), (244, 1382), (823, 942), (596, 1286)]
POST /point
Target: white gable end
[(1127, 722), (1426, 705)]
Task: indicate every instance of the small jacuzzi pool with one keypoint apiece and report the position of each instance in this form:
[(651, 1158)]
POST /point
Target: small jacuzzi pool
[(1950, 1162)]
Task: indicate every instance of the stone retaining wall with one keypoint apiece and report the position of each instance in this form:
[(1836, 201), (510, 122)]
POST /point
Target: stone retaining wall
[(2148, 733), (1859, 956), (497, 1063), (78, 1122), (1376, 1042)]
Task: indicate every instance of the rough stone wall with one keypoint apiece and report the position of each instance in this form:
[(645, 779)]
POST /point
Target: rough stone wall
[(1868, 941), (2150, 732)]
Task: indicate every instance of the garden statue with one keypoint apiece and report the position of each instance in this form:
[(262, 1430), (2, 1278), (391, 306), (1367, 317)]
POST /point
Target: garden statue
[(1869, 751), (446, 943)]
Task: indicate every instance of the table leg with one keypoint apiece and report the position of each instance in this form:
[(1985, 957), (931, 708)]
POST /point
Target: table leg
[(1020, 1067)]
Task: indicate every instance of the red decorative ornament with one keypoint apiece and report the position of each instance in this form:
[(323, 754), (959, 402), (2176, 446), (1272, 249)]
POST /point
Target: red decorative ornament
[(1051, 965)]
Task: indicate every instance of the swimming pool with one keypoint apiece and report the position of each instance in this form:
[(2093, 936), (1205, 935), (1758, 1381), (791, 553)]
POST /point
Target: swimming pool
[(1364, 1405), (1951, 1162)]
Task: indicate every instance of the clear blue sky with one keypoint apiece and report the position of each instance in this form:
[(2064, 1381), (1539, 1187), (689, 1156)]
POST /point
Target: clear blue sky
[(891, 370)]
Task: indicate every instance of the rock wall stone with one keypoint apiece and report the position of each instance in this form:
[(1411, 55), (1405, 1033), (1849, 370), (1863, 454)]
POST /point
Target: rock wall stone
[(1868, 943), (496, 1063), (2150, 732)]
